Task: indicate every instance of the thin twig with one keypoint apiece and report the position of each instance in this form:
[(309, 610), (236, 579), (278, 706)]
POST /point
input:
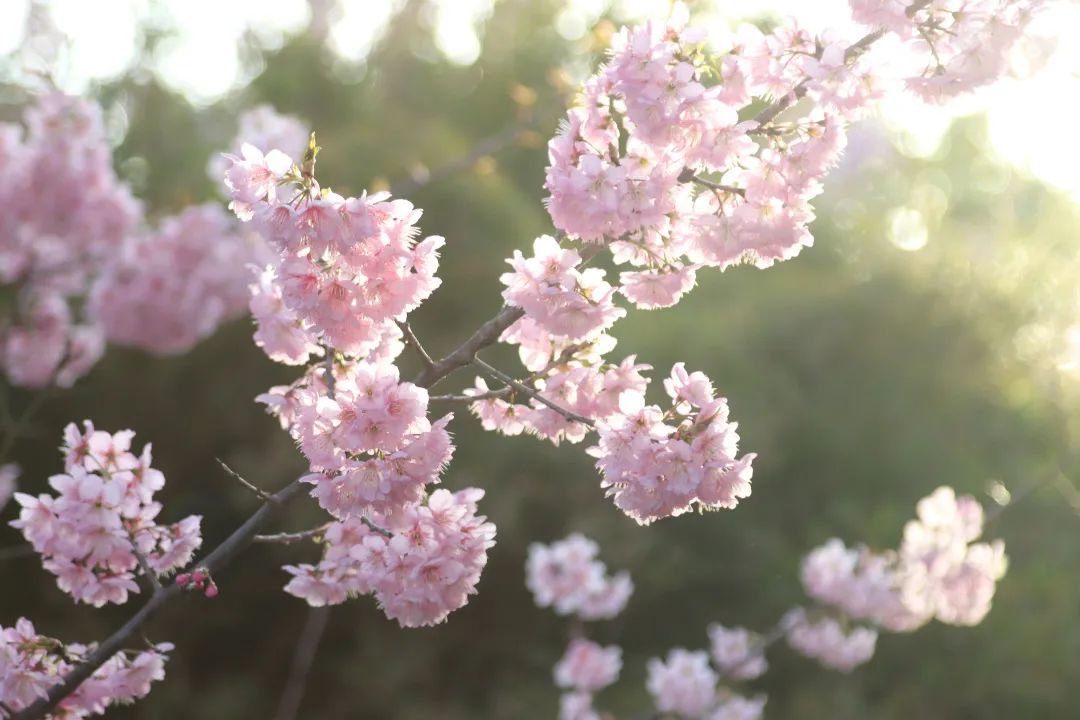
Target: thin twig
[(148, 571), (219, 558), (261, 494), (489, 395), (381, 530), (290, 538), (487, 334), (797, 93), (303, 659), (414, 342), (502, 377)]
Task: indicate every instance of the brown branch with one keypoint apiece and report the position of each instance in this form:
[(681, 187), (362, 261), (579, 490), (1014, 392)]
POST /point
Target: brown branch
[(500, 376), (414, 342), (303, 659), (148, 571), (799, 91), (290, 538), (220, 557), (372, 526), (260, 493), (468, 399), (487, 334)]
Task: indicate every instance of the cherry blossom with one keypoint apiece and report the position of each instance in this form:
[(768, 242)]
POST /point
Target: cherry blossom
[(92, 533), (587, 666), (420, 565), (683, 683), (567, 577), (30, 665), (826, 640)]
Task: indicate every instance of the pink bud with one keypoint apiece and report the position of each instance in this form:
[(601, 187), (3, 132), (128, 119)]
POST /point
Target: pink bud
[(211, 591), (183, 579), (198, 578)]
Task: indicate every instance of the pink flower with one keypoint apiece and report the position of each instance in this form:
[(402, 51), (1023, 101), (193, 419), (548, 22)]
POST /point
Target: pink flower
[(104, 509), (565, 575), (587, 666), (683, 684)]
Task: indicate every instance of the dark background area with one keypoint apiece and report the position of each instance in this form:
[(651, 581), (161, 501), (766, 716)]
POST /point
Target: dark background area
[(862, 375)]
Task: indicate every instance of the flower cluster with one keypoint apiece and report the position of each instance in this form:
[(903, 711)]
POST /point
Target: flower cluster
[(567, 303), (939, 572), (30, 664), (659, 463), (173, 287), (262, 126), (99, 530), (625, 168), (347, 268), (684, 684), (567, 577), (65, 215), (826, 640), (955, 45), (737, 652), (588, 667), (420, 563), (370, 444)]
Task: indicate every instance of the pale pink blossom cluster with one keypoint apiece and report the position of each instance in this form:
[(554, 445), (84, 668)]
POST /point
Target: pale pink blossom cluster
[(567, 577), (826, 640), (30, 664), (658, 463), (957, 45), (588, 667), (103, 517), (348, 268), (939, 571), (567, 303), (370, 444), (655, 462), (684, 683), (65, 214), (172, 287), (737, 653), (656, 163), (420, 563), (262, 126), (9, 475), (574, 376)]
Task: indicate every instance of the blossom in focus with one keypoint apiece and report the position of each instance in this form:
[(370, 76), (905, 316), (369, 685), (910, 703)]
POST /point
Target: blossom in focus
[(104, 513), (30, 664)]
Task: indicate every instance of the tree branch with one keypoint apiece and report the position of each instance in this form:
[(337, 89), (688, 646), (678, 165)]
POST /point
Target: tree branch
[(498, 375), (290, 538), (487, 334), (260, 493), (468, 399), (216, 560), (303, 659), (412, 340)]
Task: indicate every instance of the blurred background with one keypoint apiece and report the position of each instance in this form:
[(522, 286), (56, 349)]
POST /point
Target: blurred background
[(930, 337)]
